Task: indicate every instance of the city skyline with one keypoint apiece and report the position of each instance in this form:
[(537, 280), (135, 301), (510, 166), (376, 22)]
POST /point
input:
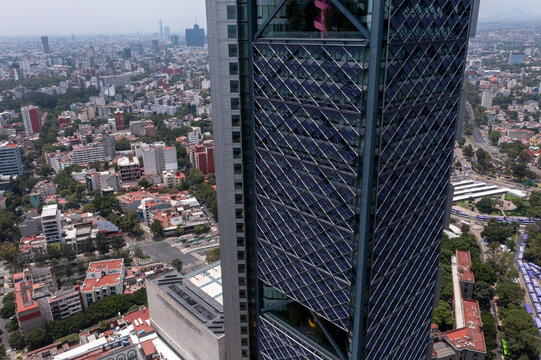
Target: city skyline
[(64, 23), (104, 17)]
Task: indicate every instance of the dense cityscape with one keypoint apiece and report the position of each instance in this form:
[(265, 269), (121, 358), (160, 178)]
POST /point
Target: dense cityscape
[(286, 180)]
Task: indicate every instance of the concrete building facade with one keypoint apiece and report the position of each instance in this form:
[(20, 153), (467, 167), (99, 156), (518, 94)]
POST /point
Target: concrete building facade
[(10, 159), (188, 319)]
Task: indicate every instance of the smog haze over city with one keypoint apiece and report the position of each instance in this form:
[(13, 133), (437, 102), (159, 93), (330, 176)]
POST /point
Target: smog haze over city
[(69, 17)]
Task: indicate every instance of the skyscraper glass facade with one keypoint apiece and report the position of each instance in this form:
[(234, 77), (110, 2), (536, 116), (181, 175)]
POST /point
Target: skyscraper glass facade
[(347, 124)]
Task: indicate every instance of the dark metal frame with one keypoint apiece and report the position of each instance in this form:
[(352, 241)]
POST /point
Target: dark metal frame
[(336, 3), (372, 118)]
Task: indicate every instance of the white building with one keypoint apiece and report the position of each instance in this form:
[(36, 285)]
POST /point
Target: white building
[(103, 180), (486, 100), (103, 278), (158, 158), (51, 224), (87, 154), (65, 303)]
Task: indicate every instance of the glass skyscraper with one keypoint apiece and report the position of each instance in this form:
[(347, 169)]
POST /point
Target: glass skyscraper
[(334, 125)]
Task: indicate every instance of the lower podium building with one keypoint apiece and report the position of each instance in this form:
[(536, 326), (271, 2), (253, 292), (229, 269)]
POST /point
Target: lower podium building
[(186, 311)]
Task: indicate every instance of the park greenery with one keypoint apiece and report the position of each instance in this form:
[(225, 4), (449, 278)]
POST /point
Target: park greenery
[(485, 205)]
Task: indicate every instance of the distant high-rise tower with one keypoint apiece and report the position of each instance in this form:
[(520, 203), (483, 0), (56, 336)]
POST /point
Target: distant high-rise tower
[(155, 45), (195, 36), (45, 44), (31, 119), (166, 31), (334, 126), (161, 29), (174, 39), (126, 53)]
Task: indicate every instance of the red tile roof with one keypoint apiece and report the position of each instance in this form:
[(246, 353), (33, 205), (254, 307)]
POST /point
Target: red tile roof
[(464, 266), (91, 284), (143, 315), (471, 336), (105, 265), (149, 348), (23, 297)]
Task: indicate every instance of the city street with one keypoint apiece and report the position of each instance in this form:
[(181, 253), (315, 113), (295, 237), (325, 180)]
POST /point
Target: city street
[(164, 251)]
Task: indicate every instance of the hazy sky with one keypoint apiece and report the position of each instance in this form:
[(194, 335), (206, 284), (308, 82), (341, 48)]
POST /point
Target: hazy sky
[(67, 17), (500, 7)]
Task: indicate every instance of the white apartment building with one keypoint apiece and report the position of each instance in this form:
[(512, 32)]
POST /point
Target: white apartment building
[(157, 157), (103, 180), (51, 224), (65, 303), (103, 278), (87, 154)]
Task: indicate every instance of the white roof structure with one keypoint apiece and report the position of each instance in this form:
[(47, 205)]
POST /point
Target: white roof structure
[(209, 280)]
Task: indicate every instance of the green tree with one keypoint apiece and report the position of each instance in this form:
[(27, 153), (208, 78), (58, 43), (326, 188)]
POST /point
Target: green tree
[(157, 228), (509, 294), (144, 183), (67, 252), (464, 228), (519, 166), (8, 308), (490, 332), (137, 231), (443, 316), (117, 243), (16, 340), (482, 292), (138, 252), (38, 338), (122, 145), (87, 247), (104, 204), (461, 142), (8, 251), (496, 232), (103, 326), (200, 229), (484, 273), (8, 228), (179, 230), (484, 161), (102, 244), (177, 264), (12, 325), (468, 151), (521, 333), (494, 137), (485, 205), (213, 256)]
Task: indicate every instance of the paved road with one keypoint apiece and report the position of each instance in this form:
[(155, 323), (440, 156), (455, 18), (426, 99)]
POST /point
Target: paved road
[(479, 239), (164, 251)]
